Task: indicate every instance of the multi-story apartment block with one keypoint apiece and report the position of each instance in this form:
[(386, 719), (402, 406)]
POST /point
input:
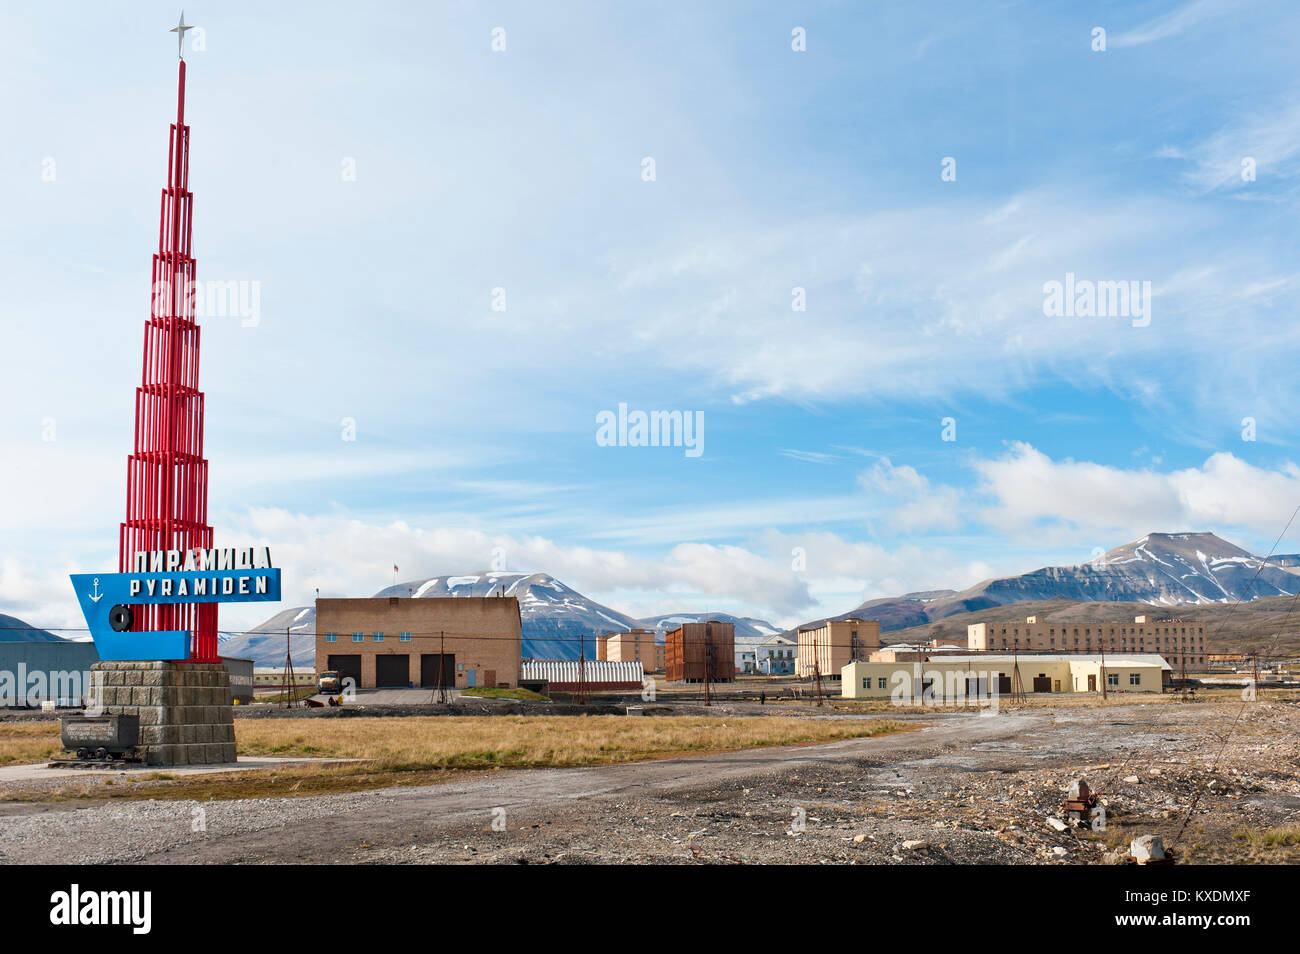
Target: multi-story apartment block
[(1179, 641)]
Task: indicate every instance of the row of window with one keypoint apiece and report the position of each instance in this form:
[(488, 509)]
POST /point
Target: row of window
[(1112, 679), (361, 637), (1136, 631), (1123, 641)]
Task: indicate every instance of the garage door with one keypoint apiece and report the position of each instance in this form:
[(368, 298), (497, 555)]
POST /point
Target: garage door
[(429, 670), (348, 667), (392, 671)]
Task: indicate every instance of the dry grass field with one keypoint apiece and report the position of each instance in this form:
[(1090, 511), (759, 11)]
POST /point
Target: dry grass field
[(22, 742), (420, 750), (530, 741)]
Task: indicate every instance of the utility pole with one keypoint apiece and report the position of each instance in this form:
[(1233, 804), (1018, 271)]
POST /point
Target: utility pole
[(1103, 671), (580, 696), (287, 683), (442, 662), (1017, 686)]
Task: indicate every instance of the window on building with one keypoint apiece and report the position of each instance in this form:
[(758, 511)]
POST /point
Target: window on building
[(379, 637), (1112, 679), (866, 682), (331, 637), (881, 683), (1135, 679), (404, 637), (357, 637)]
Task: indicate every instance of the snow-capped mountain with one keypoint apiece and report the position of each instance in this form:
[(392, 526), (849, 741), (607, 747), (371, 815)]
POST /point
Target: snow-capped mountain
[(1161, 568), (265, 643), (1164, 569)]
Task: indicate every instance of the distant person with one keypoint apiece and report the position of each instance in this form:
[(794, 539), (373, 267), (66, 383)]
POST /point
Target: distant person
[(762, 698)]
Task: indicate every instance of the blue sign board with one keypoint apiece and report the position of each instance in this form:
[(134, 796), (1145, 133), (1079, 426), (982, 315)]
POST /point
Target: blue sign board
[(106, 600)]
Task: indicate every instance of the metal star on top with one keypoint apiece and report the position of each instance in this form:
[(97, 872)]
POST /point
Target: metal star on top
[(179, 29)]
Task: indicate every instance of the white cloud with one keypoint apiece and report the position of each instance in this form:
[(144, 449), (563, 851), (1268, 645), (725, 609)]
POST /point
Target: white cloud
[(1175, 22), (916, 505), (1068, 501), (1271, 139), (346, 556)]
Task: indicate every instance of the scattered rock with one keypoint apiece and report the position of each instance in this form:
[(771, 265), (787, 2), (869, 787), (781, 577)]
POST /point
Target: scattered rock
[(1147, 848), (1057, 824), (916, 845)]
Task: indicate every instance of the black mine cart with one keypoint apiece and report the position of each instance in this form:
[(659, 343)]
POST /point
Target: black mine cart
[(101, 738)]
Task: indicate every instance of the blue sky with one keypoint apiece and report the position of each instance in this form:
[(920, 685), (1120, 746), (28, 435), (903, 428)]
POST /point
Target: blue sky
[(522, 169)]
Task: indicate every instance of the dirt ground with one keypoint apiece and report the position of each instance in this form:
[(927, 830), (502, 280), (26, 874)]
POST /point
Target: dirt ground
[(966, 788)]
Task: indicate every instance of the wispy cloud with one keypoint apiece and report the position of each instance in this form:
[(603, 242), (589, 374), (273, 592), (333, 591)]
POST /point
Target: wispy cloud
[(810, 457), (1176, 22), (1266, 143)]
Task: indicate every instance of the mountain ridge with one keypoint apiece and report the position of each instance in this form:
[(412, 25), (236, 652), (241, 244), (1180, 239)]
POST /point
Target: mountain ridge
[(1161, 569)]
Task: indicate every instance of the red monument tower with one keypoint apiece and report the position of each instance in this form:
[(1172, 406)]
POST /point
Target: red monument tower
[(167, 476)]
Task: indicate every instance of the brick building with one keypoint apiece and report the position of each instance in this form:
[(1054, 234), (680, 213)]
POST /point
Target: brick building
[(1177, 640), (636, 645), (395, 641)]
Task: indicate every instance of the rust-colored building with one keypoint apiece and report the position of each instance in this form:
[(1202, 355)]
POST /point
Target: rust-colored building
[(694, 649), (394, 641)]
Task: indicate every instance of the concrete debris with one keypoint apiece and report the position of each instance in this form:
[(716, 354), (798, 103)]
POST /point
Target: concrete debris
[(1147, 848)]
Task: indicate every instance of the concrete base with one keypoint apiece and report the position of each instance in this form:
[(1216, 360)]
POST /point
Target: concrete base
[(184, 708)]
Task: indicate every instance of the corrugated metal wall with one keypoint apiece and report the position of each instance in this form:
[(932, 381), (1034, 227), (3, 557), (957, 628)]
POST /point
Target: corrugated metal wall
[(33, 672), (597, 671)]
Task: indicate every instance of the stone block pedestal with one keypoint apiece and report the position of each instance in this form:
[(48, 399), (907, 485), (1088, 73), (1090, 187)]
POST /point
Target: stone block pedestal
[(184, 708)]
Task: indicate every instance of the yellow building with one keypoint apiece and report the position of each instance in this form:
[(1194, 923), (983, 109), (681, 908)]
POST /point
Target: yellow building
[(941, 678), (827, 648)]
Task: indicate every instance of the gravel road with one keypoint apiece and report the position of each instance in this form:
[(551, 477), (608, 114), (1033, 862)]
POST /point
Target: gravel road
[(966, 788)]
